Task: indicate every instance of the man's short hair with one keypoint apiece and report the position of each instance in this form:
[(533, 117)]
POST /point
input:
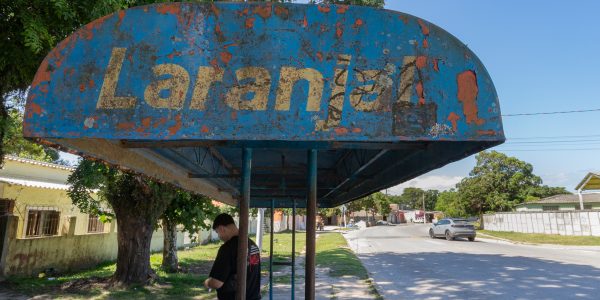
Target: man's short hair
[(222, 220)]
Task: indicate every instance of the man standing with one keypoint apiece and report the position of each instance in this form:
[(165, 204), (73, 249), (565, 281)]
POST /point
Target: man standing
[(223, 275)]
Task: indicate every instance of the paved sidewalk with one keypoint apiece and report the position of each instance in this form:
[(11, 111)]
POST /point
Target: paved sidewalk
[(326, 287)]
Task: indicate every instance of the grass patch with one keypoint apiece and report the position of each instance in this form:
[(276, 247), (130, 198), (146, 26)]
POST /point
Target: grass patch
[(282, 248), (536, 238), (333, 253), (94, 283)]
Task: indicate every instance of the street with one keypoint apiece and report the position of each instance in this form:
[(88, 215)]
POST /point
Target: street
[(406, 264)]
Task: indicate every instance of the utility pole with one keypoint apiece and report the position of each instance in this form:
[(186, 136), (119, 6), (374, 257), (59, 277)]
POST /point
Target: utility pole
[(424, 218)]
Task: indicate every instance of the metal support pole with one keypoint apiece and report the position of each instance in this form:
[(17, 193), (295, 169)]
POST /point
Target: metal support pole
[(260, 224), (311, 215), (242, 255), (293, 249), (271, 250)]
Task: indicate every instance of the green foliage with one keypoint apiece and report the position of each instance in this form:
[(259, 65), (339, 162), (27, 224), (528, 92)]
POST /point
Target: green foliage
[(194, 212), (413, 198), (16, 145), (450, 203)]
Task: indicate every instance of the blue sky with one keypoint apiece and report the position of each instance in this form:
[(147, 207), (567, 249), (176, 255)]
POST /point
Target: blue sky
[(543, 56)]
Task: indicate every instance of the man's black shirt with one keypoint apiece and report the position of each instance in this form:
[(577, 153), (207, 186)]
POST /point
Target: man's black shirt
[(225, 269)]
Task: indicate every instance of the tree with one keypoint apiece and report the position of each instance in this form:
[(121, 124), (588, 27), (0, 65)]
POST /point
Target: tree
[(497, 183), (16, 145), (382, 204), (137, 203), (450, 203), (192, 211)]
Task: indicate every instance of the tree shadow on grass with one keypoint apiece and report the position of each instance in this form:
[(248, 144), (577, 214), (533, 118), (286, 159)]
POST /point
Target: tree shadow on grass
[(479, 276)]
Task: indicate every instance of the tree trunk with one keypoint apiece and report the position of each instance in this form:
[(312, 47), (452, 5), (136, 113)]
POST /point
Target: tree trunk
[(133, 259), (481, 225), (170, 262)]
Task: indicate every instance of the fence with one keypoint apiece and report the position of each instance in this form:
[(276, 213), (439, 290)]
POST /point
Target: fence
[(576, 223)]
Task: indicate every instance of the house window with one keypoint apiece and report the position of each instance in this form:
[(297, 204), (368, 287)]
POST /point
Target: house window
[(95, 225), (42, 223), (6, 206), (549, 207)]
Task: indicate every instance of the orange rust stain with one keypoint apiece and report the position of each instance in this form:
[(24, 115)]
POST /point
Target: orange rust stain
[(168, 9), (173, 54), (452, 117), (305, 22), (226, 57), (320, 56), (324, 9), (91, 83), (421, 62), (204, 129), (467, 94), (282, 11), (419, 89), (263, 11), (424, 28), (341, 130), (160, 122), (126, 126), (82, 87), (243, 12), (214, 63), (35, 109), (233, 115), (342, 9), (358, 23), (425, 43), (42, 75), (404, 19), (121, 16), (250, 22), (356, 130), (230, 45), (191, 52), (435, 65), (146, 122), (215, 10), (175, 128), (486, 132), (339, 29)]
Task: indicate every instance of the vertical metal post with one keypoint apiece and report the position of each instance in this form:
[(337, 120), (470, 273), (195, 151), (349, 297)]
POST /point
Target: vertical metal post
[(311, 215), (293, 249), (271, 250), (242, 255)]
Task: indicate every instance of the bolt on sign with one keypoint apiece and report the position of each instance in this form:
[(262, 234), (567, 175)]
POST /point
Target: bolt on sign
[(262, 71)]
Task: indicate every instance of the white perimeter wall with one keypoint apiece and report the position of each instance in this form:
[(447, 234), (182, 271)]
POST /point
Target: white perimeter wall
[(581, 223)]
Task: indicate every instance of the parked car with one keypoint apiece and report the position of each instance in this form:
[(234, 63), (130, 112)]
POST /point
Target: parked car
[(452, 228)]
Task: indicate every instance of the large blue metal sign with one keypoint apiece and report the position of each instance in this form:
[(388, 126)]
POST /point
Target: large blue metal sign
[(276, 72)]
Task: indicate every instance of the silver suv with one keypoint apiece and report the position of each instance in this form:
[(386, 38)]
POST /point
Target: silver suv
[(452, 228)]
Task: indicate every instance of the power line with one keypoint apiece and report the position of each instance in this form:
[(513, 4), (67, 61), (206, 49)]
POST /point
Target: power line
[(554, 137), (553, 113), (544, 150)]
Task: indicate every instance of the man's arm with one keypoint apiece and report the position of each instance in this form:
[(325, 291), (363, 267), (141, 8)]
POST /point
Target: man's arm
[(211, 283)]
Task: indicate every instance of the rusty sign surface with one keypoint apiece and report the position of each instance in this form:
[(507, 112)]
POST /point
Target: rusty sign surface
[(250, 71)]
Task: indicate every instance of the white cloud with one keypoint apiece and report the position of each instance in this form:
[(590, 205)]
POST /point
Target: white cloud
[(427, 182)]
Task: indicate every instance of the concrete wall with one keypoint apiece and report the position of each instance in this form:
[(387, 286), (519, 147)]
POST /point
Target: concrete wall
[(29, 256), (577, 223)]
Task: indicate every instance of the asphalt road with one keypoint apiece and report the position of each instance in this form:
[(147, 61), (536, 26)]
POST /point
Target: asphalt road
[(406, 264)]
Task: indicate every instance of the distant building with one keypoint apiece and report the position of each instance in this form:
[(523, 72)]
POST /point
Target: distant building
[(562, 202)]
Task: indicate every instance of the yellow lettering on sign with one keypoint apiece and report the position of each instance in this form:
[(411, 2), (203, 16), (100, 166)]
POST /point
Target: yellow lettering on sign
[(206, 77), (338, 93), (289, 77), (407, 78), (177, 84), (260, 87), (107, 98), (382, 86)]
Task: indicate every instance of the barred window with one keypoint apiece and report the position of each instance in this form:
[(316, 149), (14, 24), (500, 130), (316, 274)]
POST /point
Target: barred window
[(42, 223), (6, 206), (95, 225), (549, 207)]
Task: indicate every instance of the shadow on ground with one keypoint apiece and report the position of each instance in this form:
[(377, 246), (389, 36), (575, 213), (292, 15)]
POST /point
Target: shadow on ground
[(479, 276)]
